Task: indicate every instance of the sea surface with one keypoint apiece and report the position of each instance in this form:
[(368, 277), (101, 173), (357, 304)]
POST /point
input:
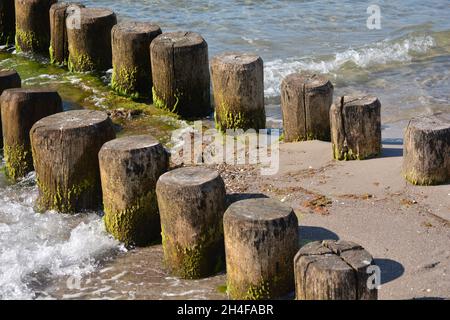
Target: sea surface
[(406, 63)]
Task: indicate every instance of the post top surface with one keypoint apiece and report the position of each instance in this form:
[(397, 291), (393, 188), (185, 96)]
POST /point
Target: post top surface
[(237, 58), (355, 101), (189, 176), (179, 39), (136, 27), (131, 143), (259, 209), (95, 13), (70, 120), (433, 122), (309, 80), (27, 92), (7, 72)]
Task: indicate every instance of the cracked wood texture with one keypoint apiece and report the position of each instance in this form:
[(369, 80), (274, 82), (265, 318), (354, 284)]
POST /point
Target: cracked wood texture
[(426, 158), (306, 100), (20, 110), (33, 25), (129, 170), (7, 22), (132, 71), (8, 79), (90, 45), (180, 69), (59, 46), (238, 86), (356, 128), (333, 270), (192, 201), (65, 152), (261, 240)]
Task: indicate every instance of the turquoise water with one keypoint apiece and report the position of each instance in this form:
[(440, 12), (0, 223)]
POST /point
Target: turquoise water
[(406, 64)]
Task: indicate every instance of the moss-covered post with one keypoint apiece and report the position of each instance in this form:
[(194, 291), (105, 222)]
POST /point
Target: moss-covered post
[(65, 154), (8, 79), (90, 40), (306, 100), (7, 22), (59, 47), (191, 204), (129, 169), (238, 87), (261, 240), (426, 155), (33, 25), (132, 73), (334, 270), (180, 69), (20, 109), (356, 128)]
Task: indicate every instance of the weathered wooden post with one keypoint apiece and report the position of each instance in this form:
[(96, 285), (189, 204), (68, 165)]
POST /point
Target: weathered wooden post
[(356, 127), (180, 69), (191, 204), (8, 79), (132, 71), (261, 240), (426, 156), (20, 109), (7, 22), (238, 86), (65, 154), (334, 270), (33, 25), (306, 100), (90, 41), (129, 169), (59, 47)]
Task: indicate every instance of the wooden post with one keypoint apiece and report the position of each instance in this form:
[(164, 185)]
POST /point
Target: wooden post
[(426, 156), (333, 270), (306, 100), (132, 72), (20, 109), (59, 47), (33, 25), (356, 127), (8, 79), (238, 86), (129, 169), (7, 22), (180, 69), (65, 153), (191, 204), (90, 41), (261, 240)]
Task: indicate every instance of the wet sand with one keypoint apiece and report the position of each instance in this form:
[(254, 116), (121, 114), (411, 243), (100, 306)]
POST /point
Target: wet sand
[(406, 228)]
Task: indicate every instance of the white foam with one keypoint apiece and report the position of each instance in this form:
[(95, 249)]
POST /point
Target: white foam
[(380, 53), (34, 248)]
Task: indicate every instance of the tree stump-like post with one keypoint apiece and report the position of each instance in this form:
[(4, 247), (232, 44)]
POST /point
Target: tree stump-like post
[(65, 153), (90, 42), (333, 270), (33, 25), (356, 128), (192, 202), (180, 69), (8, 79), (261, 240), (132, 71), (129, 170), (59, 46), (426, 156), (306, 100), (7, 22), (238, 87), (21, 109)]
